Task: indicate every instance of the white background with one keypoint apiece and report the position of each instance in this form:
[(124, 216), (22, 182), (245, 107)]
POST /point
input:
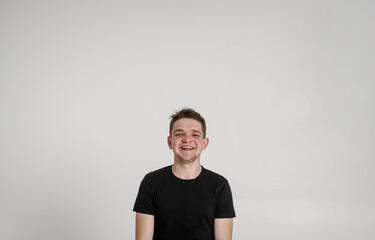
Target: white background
[(286, 87)]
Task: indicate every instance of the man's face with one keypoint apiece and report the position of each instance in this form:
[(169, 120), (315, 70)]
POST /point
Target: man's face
[(187, 140)]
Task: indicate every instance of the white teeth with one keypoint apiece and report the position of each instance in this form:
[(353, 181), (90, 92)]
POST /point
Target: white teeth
[(190, 148)]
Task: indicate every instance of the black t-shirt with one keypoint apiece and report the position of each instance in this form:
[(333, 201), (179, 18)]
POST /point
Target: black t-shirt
[(184, 209)]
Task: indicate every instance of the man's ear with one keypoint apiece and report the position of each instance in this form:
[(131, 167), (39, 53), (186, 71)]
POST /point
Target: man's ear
[(205, 143), (169, 141)]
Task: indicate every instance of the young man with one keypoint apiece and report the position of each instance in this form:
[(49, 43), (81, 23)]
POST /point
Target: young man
[(184, 201)]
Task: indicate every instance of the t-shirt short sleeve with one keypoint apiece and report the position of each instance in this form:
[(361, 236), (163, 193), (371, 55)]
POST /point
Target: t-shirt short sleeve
[(224, 202), (144, 202)]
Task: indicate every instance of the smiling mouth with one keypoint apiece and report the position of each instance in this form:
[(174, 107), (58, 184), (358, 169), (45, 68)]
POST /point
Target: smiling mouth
[(187, 148)]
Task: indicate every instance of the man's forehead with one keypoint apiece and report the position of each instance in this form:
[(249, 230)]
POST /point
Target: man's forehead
[(187, 124)]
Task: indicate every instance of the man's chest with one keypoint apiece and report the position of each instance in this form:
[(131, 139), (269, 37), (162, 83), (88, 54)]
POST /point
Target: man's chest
[(185, 200)]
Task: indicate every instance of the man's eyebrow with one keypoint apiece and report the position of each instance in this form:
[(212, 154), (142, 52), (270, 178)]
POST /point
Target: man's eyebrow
[(181, 130)]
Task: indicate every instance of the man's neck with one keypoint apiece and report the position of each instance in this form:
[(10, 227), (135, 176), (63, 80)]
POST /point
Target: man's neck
[(187, 170)]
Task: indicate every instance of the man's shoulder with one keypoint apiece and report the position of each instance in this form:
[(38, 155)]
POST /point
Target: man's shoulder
[(153, 175), (214, 176)]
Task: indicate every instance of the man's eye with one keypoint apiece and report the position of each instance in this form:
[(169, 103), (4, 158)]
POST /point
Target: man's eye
[(196, 135), (178, 134)]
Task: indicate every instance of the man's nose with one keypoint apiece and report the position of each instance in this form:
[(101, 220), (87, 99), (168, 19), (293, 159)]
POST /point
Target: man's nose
[(186, 138)]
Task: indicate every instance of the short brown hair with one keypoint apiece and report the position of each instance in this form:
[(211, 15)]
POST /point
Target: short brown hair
[(187, 113)]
